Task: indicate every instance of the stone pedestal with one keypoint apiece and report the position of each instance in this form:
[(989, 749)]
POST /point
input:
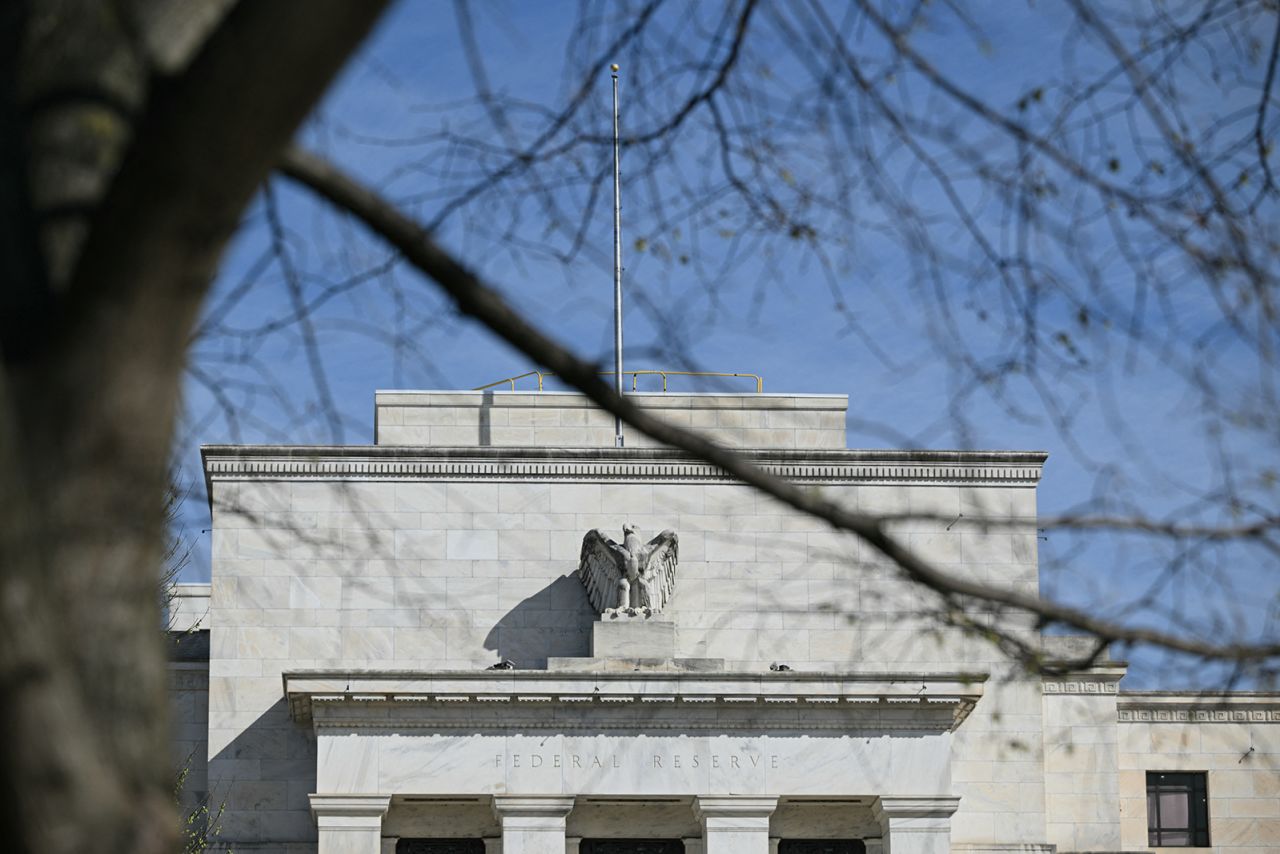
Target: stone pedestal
[(349, 824), (636, 665), (735, 825), (532, 825), (625, 636), (915, 825)]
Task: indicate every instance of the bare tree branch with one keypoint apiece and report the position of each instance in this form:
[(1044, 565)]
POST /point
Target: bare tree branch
[(1265, 148), (478, 300)]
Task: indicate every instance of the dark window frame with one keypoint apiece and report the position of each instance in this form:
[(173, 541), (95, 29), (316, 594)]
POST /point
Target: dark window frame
[(791, 845), (1195, 784), (440, 845), (655, 845)]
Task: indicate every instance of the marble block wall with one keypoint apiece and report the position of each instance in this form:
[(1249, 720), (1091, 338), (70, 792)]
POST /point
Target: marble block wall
[(189, 731), (1081, 762), (187, 646), (569, 420), (462, 575), (1236, 743), (420, 574), (453, 544)]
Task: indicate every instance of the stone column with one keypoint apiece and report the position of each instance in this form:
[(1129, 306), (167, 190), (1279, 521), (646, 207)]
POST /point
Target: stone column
[(915, 825), (389, 844), (874, 846), (349, 824), (533, 824), (571, 844), (692, 845), (773, 844), (493, 845), (735, 825)]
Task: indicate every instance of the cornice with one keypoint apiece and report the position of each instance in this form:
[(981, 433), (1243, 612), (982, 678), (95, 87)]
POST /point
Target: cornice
[(1166, 707), (736, 806), (1080, 687), (937, 806), (399, 463), (351, 807), (625, 701), (1099, 681), (507, 807)]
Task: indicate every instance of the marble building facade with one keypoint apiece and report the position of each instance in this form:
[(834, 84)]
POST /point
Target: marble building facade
[(401, 656)]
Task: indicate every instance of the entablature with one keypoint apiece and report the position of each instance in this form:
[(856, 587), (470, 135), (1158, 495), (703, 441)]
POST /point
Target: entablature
[(628, 701), (641, 465)]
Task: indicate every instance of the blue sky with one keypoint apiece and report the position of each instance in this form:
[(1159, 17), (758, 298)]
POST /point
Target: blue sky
[(775, 314)]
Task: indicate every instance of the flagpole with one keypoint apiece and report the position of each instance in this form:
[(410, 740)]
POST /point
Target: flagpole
[(617, 263)]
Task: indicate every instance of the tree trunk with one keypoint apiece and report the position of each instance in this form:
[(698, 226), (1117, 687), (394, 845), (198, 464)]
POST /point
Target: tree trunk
[(130, 146)]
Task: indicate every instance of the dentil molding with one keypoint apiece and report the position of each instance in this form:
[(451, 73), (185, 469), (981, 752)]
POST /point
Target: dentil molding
[(395, 463)]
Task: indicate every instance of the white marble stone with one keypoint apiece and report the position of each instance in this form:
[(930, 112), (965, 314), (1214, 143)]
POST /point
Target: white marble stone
[(633, 637), (915, 825), (532, 824), (735, 824), (349, 824), (614, 765), (449, 560), (559, 419), (1235, 741)]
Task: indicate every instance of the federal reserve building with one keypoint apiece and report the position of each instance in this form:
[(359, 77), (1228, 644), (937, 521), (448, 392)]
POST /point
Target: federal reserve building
[(494, 631)]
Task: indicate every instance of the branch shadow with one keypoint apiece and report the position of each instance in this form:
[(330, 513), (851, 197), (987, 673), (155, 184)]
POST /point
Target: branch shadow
[(555, 622)]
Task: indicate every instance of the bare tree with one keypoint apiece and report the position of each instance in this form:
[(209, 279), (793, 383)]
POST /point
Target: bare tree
[(1111, 218), (1098, 216)]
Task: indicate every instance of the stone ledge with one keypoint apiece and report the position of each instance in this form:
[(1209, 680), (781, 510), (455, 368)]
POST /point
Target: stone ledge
[(881, 456), (1104, 679), (1008, 848), (531, 806), (349, 806), (740, 806), (634, 665), (916, 806), (556, 699), (599, 465)]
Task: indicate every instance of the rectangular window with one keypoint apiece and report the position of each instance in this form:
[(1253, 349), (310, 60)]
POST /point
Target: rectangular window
[(1177, 809)]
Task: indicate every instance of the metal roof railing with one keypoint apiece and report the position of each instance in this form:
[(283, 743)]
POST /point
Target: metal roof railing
[(635, 376)]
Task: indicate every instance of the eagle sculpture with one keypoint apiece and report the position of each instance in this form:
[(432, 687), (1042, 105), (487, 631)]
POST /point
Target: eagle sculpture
[(631, 578)]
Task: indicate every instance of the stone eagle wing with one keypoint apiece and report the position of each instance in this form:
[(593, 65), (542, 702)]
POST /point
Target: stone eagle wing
[(660, 559), (601, 568)]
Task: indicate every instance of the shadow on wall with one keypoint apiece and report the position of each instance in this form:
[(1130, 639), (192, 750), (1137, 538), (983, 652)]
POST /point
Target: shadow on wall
[(264, 776), (555, 622)]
